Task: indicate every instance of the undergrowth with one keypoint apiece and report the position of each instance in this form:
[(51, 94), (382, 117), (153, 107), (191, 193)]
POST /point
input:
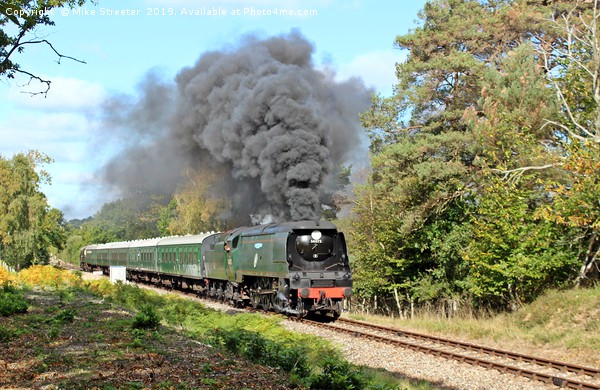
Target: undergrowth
[(309, 361), (12, 301)]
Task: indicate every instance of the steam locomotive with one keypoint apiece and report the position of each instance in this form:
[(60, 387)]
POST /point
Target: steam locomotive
[(297, 268)]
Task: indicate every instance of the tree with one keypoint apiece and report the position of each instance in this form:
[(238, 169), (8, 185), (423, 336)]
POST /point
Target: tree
[(23, 17), (195, 208), (424, 171), (514, 254), (427, 151), (132, 217), (576, 79), (409, 219), (468, 133), (28, 225)]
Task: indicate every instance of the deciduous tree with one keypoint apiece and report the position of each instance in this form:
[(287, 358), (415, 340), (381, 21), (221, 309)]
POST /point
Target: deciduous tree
[(196, 207), (28, 225), (576, 79)]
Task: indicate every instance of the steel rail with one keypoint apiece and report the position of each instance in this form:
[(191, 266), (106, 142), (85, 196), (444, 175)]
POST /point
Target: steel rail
[(510, 369), (558, 365)]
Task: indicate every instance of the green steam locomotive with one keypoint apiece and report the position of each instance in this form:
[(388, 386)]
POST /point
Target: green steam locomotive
[(297, 268)]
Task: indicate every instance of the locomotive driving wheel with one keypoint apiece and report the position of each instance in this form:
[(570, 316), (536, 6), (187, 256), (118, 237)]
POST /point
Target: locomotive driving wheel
[(266, 301), (278, 303), (254, 295), (265, 295)]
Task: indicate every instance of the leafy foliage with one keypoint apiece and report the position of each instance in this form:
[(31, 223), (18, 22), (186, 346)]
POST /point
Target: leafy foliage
[(473, 153), (12, 301), (254, 347), (5, 276), (28, 225), (576, 80), (195, 208), (513, 255), (129, 218), (338, 375), (48, 276), (65, 316), (146, 318)]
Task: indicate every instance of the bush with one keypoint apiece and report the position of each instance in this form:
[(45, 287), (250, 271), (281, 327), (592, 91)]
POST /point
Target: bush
[(5, 276), (12, 301), (146, 318), (338, 374), (64, 316), (48, 276)]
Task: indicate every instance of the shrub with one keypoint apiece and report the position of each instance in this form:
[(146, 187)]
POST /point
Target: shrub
[(64, 316), (7, 334), (337, 374), (12, 301), (5, 276), (146, 318), (48, 276)]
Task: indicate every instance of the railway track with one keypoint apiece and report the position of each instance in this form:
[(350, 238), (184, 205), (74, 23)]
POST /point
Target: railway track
[(551, 372)]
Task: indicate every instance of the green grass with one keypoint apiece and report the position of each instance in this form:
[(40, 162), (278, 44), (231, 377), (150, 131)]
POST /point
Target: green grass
[(310, 360)]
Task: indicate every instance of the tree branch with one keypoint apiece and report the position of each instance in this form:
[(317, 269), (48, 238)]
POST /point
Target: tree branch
[(60, 56), (34, 77), (6, 66), (519, 171), (31, 75)]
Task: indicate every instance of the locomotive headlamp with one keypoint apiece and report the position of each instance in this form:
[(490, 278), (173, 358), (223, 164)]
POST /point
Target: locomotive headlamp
[(316, 235)]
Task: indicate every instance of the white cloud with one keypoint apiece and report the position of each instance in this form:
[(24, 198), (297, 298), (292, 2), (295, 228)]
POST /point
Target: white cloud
[(65, 94), (376, 68), (58, 126), (59, 135)]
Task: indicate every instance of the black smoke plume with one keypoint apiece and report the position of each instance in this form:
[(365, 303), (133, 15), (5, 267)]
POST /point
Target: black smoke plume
[(275, 127)]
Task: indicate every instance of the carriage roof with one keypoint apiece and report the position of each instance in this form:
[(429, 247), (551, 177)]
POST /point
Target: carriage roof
[(152, 242)]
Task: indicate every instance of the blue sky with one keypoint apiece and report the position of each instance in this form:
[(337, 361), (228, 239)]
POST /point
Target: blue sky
[(354, 38)]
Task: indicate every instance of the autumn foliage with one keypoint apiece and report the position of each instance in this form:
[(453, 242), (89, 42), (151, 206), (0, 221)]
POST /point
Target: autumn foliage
[(47, 276)]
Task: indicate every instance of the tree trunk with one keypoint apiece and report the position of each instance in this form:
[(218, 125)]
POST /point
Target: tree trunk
[(397, 300), (590, 259)]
